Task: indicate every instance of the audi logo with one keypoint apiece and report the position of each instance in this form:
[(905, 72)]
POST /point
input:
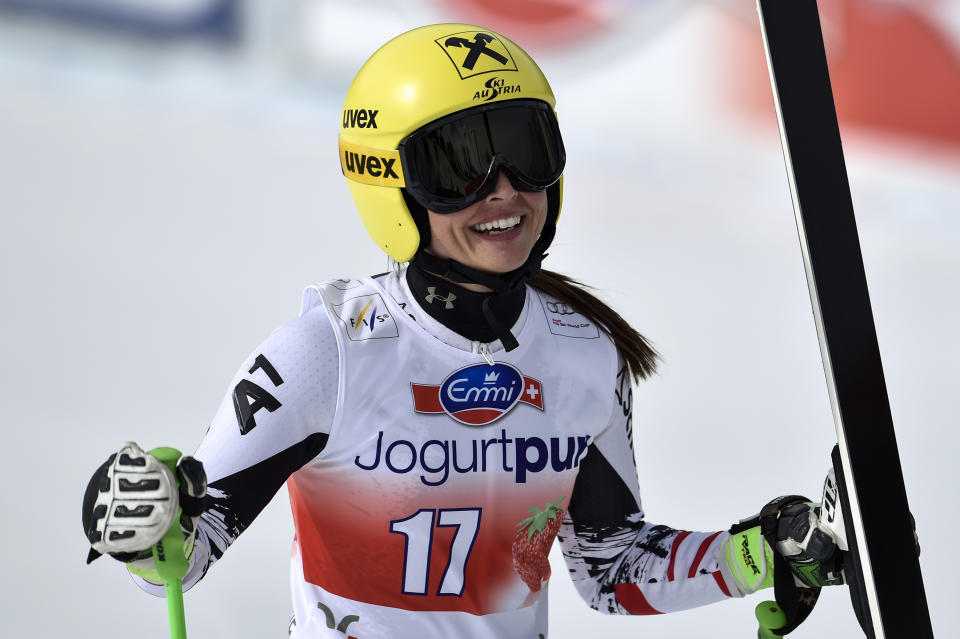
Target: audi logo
[(560, 308)]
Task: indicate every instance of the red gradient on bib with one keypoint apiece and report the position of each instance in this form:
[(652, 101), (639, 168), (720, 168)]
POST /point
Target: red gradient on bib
[(347, 547)]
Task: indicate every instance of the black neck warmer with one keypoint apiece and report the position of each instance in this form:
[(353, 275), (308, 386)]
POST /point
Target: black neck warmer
[(476, 318), (482, 317)]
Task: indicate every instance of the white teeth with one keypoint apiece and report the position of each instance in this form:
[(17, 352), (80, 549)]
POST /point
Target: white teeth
[(505, 223)]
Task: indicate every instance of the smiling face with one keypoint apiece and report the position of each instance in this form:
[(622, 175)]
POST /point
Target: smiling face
[(494, 235)]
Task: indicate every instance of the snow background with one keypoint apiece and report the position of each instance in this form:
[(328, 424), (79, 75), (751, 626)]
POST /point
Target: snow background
[(160, 217)]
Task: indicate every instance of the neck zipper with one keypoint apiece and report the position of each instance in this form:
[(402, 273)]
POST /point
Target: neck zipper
[(485, 351)]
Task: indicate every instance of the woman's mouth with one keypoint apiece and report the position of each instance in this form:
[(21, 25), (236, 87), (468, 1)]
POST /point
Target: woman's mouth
[(498, 226)]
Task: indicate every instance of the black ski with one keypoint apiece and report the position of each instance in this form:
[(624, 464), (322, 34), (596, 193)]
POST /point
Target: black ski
[(881, 567)]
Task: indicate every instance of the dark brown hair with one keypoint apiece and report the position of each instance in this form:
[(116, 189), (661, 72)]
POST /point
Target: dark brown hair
[(639, 355)]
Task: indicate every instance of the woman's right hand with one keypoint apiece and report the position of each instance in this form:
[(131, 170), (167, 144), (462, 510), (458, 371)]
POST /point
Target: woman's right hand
[(133, 499)]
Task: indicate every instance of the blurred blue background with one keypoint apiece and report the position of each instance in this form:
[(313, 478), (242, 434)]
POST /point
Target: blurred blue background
[(169, 184)]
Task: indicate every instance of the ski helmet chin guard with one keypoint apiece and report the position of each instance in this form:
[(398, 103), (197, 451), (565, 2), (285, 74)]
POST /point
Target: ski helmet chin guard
[(430, 120)]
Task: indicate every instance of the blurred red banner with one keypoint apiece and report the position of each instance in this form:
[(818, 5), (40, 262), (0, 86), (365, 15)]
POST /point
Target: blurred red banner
[(539, 23), (894, 67)]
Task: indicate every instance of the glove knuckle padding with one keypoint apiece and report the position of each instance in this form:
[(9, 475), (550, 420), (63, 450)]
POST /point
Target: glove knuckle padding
[(130, 502), (794, 523), (193, 493), (808, 547), (820, 546), (193, 486), (799, 534)]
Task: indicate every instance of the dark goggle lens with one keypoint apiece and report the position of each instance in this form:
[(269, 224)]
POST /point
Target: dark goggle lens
[(449, 162)]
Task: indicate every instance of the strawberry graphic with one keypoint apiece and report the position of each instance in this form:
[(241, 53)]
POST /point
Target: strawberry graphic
[(531, 543)]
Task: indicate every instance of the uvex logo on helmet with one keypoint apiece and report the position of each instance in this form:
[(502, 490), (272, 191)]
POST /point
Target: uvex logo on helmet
[(374, 165), (370, 166), (478, 394), (360, 118), (476, 52), (494, 87)]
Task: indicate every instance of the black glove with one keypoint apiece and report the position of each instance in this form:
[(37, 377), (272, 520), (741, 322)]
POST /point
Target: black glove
[(809, 546), (786, 547)]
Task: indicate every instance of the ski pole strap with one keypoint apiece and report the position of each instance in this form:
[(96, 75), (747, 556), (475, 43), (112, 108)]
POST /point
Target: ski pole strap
[(796, 603)]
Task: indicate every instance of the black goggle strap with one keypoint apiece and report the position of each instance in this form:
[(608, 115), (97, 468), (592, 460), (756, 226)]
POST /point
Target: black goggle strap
[(502, 332), (369, 165)]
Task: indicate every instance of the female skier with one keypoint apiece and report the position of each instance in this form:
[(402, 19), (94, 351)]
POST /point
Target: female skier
[(439, 425)]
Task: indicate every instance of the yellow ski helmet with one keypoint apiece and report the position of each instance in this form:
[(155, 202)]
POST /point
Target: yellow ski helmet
[(414, 80)]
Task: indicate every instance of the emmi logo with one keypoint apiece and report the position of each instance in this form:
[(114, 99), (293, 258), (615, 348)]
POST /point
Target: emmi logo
[(479, 394), (373, 165), (495, 87), (360, 118)]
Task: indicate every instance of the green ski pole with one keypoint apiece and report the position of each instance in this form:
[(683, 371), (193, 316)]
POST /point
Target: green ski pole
[(168, 554), (770, 617)]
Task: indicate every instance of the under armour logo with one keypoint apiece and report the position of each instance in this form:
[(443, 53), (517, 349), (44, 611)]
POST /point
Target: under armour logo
[(434, 296), (477, 48)]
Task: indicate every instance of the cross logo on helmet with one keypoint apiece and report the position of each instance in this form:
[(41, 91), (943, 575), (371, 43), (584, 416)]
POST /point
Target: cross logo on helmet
[(476, 52), (478, 46)]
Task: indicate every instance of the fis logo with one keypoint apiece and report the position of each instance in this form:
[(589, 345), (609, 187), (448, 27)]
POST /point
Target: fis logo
[(360, 118), (476, 52), (365, 317), (367, 321), (478, 394), (495, 87)]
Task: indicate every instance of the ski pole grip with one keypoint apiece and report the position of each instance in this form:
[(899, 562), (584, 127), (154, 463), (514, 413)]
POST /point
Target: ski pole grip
[(770, 617), (168, 554), (169, 456)]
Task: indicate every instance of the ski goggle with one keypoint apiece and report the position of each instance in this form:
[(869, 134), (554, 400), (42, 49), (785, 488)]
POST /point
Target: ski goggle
[(455, 161)]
